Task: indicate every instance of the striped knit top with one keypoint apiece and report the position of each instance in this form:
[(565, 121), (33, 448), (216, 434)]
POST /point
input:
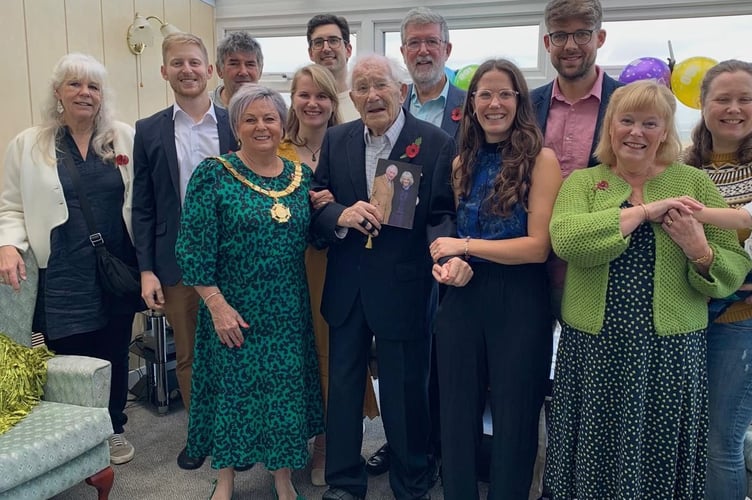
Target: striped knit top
[(735, 184)]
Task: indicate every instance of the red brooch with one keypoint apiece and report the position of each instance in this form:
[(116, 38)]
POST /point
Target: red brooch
[(456, 114), (412, 150), (121, 160), (601, 186)]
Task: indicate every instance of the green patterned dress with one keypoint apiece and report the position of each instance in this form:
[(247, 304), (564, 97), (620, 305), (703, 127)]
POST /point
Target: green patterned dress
[(260, 402), (630, 414)]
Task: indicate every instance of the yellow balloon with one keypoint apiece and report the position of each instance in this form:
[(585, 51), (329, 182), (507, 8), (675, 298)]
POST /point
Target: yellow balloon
[(687, 78)]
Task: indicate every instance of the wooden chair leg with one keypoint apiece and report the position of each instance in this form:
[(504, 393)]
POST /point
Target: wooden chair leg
[(102, 481)]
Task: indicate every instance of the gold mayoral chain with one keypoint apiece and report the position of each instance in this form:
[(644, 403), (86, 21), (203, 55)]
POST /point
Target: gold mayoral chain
[(279, 212)]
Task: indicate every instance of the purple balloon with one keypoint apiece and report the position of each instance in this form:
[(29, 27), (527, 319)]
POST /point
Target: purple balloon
[(646, 68)]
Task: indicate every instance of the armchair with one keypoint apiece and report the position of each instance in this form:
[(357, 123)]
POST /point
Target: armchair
[(64, 439)]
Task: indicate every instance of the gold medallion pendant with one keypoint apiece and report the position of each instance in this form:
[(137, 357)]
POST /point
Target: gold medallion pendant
[(280, 213)]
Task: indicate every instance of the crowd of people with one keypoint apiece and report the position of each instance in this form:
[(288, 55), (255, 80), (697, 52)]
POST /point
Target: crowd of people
[(449, 230)]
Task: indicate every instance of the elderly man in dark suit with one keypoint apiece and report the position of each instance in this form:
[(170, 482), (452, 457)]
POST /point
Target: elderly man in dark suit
[(168, 146), (378, 280), (431, 97)]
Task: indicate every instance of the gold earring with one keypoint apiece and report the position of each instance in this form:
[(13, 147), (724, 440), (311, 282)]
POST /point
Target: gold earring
[(60, 108)]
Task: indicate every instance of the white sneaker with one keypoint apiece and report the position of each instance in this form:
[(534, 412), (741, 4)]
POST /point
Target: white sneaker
[(121, 451)]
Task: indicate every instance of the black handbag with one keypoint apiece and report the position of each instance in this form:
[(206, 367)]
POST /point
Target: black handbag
[(115, 276)]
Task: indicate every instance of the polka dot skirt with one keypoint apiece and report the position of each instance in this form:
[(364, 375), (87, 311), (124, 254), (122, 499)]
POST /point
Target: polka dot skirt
[(629, 415)]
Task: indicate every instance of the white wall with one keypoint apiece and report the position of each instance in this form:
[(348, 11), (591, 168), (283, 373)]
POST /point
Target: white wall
[(36, 33)]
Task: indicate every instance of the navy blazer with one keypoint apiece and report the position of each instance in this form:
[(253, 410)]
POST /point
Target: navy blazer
[(455, 100), (156, 191), (392, 279), (541, 98)]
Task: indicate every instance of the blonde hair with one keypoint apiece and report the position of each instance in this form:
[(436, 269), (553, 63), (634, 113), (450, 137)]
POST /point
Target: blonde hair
[(78, 66), (324, 80), (642, 95), (183, 39)]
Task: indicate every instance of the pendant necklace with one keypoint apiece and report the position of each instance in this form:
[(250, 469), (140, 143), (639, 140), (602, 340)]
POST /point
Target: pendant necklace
[(313, 152), (279, 212)]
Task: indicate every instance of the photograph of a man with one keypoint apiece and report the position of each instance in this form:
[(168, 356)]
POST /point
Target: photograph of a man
[(383, 191), (403, 202)]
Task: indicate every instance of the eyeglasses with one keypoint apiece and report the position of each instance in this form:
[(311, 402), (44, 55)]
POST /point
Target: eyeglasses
[(580, 37), (413, 45), (363, 88), (486, 96), (333, 41)]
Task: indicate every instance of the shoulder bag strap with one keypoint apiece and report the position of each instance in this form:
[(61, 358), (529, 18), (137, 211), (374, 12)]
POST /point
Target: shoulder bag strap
[(94, 237)]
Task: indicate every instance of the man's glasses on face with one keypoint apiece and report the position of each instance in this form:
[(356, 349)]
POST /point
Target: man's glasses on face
[(413, 45), (580, 37), (363, 88), (333, 41)]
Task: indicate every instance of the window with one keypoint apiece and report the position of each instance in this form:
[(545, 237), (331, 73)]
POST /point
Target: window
[(473, 46), (724, 37), (285, 54)]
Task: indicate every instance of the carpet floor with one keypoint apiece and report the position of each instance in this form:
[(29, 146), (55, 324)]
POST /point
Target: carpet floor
[(154, 475)]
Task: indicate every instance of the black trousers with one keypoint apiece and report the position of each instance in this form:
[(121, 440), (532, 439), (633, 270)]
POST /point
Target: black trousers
[(403, 394), (494, 333), (111, 344)]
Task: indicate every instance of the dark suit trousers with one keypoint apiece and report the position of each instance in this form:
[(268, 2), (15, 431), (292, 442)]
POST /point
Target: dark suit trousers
[(493, 333), (403, 391), (181, 311)]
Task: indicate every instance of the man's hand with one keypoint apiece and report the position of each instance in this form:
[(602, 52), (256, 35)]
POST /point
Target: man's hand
[(151, 291), (320, 198), (454, 272), (12, 267), (361, 216)]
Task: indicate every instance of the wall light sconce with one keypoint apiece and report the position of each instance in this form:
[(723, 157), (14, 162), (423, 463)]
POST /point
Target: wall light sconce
[(141, 35)]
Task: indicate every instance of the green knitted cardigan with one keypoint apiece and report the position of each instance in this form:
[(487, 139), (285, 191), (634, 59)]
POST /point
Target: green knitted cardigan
[(585, 232)]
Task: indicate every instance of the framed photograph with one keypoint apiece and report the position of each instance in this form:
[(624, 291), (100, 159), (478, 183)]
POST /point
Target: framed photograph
[(395, 192)]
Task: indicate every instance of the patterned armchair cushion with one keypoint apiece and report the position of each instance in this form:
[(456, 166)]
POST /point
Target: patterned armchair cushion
[(51, 436), (18, 307), (78, 380), (21, 380)]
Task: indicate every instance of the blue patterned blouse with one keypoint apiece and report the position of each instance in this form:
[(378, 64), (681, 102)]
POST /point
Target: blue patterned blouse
[(474, 216)]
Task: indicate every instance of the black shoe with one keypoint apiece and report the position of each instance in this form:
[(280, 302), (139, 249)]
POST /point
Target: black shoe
[(434, 466), (243, 468), (379, 461), (189, 463), (339, 494)]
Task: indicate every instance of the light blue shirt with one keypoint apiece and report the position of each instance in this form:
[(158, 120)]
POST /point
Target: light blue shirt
[(431, 111)]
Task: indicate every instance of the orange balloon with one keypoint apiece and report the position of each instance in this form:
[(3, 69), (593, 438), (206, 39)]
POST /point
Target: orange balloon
[(687, 78)]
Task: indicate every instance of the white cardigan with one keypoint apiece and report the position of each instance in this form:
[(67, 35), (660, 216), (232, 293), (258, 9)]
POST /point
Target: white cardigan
[(32, 202)]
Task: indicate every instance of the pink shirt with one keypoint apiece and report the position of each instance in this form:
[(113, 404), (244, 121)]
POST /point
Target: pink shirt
[(571, 125), (569, 132)]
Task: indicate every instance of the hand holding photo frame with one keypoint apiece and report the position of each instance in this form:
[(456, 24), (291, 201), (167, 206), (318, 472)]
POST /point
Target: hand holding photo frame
[(395, 192)]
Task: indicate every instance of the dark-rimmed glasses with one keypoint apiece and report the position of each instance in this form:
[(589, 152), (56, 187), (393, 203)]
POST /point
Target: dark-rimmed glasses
[(333, 41), (580, 37)]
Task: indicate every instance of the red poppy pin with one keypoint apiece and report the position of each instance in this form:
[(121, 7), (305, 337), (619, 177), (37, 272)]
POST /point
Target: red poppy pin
[(456, 114), (412, 150), (121, 160), (601, 186)]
